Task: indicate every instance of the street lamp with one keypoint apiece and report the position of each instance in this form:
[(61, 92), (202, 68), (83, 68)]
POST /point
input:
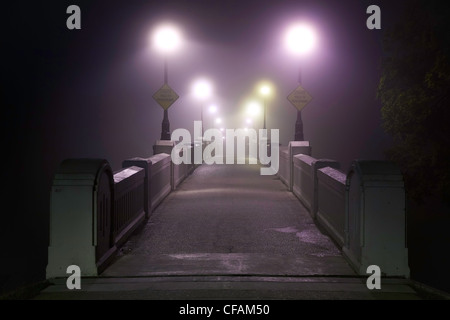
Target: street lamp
[(166, 40), (253, 108), (212, 110), (265, 91), (300, 40), (202, 90)]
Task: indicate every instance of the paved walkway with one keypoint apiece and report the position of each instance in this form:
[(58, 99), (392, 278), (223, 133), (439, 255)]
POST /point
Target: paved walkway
[(228, 232), (230, 220)]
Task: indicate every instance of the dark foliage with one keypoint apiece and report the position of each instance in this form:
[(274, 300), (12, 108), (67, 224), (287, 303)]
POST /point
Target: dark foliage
[(415, 94)]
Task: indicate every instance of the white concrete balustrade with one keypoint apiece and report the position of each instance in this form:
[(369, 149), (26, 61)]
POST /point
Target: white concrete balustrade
[(129, 204), (305, 179), (94, 211), (331, 202), (81, 203), (375, 218), (286, 169), (363, 211)]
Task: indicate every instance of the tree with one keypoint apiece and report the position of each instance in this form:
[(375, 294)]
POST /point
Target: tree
[(414, 91)]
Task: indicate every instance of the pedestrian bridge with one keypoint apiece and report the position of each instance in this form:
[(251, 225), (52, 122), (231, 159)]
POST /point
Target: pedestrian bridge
[(157, 230)]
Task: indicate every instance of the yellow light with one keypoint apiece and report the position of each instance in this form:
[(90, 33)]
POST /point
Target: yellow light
[(253, 108), (265, 90)]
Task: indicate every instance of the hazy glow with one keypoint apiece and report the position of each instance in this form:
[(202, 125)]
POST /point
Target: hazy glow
[(202, 89), (265, 90), (218, 121), (167, 38), (253, 108), (213, 108), (248, 121), (222, 129), (300, 39)]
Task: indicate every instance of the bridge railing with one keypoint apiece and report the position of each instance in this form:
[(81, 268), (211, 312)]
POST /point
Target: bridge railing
[(305, 183), (129, 208), (363, 211), (94, 211), (331, 202), (286, 165)]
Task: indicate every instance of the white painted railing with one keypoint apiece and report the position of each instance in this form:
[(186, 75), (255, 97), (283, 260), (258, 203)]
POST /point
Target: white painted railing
[(375, 218), (331, 202), (305, 179), (283, 171), (94, 211), (363, 211), (286, 170), (129, 202)]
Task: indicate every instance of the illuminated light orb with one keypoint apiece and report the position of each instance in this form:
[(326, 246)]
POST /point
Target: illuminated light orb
[(300, 39), (265, 90), (253, 108), (202, 89), (167, 38), (213, 108)]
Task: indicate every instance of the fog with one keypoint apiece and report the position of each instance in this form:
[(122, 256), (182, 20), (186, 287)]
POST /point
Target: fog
[(88, 93)]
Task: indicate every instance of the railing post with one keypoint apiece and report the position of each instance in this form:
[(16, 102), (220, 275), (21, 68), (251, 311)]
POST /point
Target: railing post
[(376, 218), (146, 164), (296, 147), (80, 217)]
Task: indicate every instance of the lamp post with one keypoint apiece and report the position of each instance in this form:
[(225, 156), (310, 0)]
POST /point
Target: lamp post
[(253, 110), (265, 91), (166, 40), (212, 110), (300, 39), (202, 90)]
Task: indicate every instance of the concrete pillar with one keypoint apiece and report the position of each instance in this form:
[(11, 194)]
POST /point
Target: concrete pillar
[(80, 217), (376, 218), (296, 147)]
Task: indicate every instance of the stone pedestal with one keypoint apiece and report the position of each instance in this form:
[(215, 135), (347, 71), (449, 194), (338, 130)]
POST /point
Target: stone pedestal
[(163, 146), (376, 218)]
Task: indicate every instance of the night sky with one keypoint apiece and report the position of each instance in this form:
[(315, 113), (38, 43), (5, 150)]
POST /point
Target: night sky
[(88, 93)]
